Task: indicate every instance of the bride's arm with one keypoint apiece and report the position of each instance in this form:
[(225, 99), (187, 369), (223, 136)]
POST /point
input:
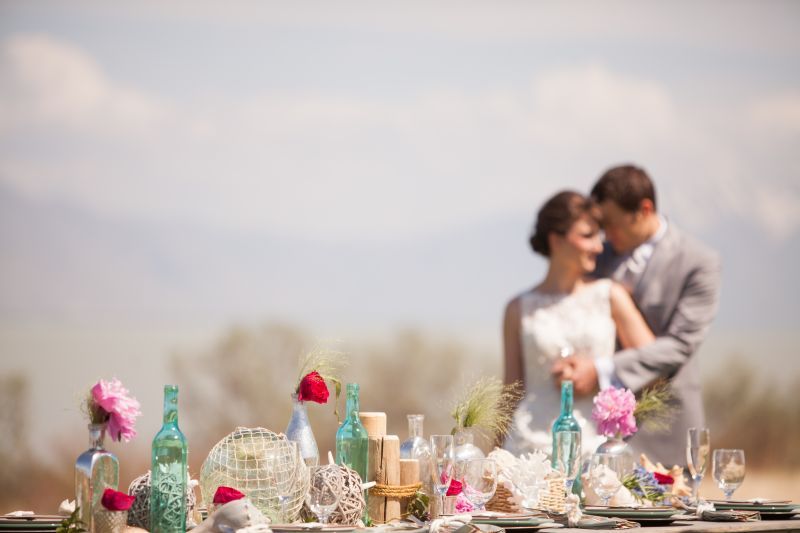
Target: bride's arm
[(512, 349), (632, 330)]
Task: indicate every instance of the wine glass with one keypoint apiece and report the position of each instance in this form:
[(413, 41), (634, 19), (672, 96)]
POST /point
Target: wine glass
[(567, 447), (284, 482), (605, 475), (324, 491), (698, 448), (478, 480), (442, 464), (728, 469)]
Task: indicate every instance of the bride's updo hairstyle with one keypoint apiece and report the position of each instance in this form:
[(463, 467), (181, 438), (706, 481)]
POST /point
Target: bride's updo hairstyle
[(558, 215)]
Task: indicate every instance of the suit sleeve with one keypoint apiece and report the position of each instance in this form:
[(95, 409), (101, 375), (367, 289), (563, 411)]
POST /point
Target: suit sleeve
[(696, 307)]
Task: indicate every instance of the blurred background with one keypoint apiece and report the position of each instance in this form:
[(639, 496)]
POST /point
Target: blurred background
[(196, 193)]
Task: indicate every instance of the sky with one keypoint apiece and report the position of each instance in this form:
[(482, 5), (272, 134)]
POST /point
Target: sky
[(167, 170)]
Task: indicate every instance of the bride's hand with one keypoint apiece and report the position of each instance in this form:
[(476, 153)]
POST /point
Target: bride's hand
[(562, 370), (583, 374)]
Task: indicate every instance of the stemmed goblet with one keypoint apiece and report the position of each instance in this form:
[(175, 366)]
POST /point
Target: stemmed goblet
[(478, 481), (567, 446), (284, 480), (605, 475), (324, 489), (442, 464), (728, 469), (698, 448)]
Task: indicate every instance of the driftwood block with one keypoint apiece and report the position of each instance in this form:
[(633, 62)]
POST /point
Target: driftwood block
[(374, 423), (384, 469), (409, 475)]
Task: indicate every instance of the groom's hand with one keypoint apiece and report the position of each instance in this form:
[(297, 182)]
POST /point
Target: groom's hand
[(583, 374)]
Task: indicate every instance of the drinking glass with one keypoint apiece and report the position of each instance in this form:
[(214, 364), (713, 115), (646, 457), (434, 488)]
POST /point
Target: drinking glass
[(442, 464), (605, 475), (478, 480), (698, 448), (728, 469), (323, 491), (284, 481), (567, 446)]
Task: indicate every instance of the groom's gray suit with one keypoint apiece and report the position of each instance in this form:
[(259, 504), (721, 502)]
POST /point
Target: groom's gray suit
[(678, 294)]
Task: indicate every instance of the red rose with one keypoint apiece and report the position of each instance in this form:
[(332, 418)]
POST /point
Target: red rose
[(664, 479), (312, 387), (454, 489), (226, 494), (114, 500)]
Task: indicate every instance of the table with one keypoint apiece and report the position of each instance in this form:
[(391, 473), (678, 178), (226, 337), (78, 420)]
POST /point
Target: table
[(703, 527)]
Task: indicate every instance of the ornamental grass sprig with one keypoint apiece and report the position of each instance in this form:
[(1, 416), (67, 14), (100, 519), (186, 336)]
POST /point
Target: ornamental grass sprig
[(488, 404), (654, 410)]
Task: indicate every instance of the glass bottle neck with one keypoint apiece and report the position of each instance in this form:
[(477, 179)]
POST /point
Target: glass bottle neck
[(171, 405), (97, 434), (415, 425), (352, 405), (566, 398)]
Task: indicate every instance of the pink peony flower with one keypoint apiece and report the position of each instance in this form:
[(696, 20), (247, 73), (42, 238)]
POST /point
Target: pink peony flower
[(121, 408), (613, 412)]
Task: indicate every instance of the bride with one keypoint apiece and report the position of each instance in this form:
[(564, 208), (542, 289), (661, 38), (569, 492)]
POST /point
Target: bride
[(566, 314)]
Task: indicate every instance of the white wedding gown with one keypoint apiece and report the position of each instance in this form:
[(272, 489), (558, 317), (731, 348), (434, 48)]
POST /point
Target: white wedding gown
[(579, 322)]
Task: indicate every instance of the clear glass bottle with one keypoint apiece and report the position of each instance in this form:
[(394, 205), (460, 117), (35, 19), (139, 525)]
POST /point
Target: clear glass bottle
[(169, 476), (299, 431), (352, 441), (565, 421), (465, 449), (417, 447), (96, 470)]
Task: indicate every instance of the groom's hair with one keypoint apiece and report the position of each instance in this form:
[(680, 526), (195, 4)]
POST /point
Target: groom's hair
[(626, 186)]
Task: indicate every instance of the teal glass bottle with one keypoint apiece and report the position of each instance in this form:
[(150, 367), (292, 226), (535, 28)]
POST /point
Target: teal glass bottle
[(168, 475), (352, 442), (565, 421)]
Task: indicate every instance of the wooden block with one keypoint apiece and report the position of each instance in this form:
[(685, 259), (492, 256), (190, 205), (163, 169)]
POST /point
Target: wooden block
[(409, 471), (375, 505), (374, 423), (409, 474), (391, 466)]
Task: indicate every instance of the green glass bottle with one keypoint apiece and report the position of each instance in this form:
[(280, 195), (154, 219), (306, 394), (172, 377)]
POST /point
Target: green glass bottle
[(352, 442), (168, 475), (565, 421)]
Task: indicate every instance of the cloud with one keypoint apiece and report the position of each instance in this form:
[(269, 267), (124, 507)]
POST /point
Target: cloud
[(346, 167), (51, 83), (778, 112)]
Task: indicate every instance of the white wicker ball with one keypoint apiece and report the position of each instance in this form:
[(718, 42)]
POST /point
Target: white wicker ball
[(261, 464), (139, 513), (350, 508)]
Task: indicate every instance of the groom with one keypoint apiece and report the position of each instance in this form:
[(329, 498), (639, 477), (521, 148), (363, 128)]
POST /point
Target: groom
[(674, 281)]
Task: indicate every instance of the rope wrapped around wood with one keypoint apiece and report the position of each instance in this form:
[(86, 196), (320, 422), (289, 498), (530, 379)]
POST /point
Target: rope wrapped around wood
[(395, 491)]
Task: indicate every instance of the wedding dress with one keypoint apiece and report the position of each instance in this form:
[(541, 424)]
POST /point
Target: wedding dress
[(553, 325)]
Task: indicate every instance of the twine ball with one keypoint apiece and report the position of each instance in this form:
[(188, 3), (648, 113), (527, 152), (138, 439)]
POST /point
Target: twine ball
[(351, 504), (139, 513)]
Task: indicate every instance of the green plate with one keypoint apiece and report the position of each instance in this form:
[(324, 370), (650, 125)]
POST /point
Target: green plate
[(774, 508), (632, 512), (513, 522)]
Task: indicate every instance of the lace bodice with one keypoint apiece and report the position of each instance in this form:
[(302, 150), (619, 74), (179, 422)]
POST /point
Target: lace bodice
[(577, 323)]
